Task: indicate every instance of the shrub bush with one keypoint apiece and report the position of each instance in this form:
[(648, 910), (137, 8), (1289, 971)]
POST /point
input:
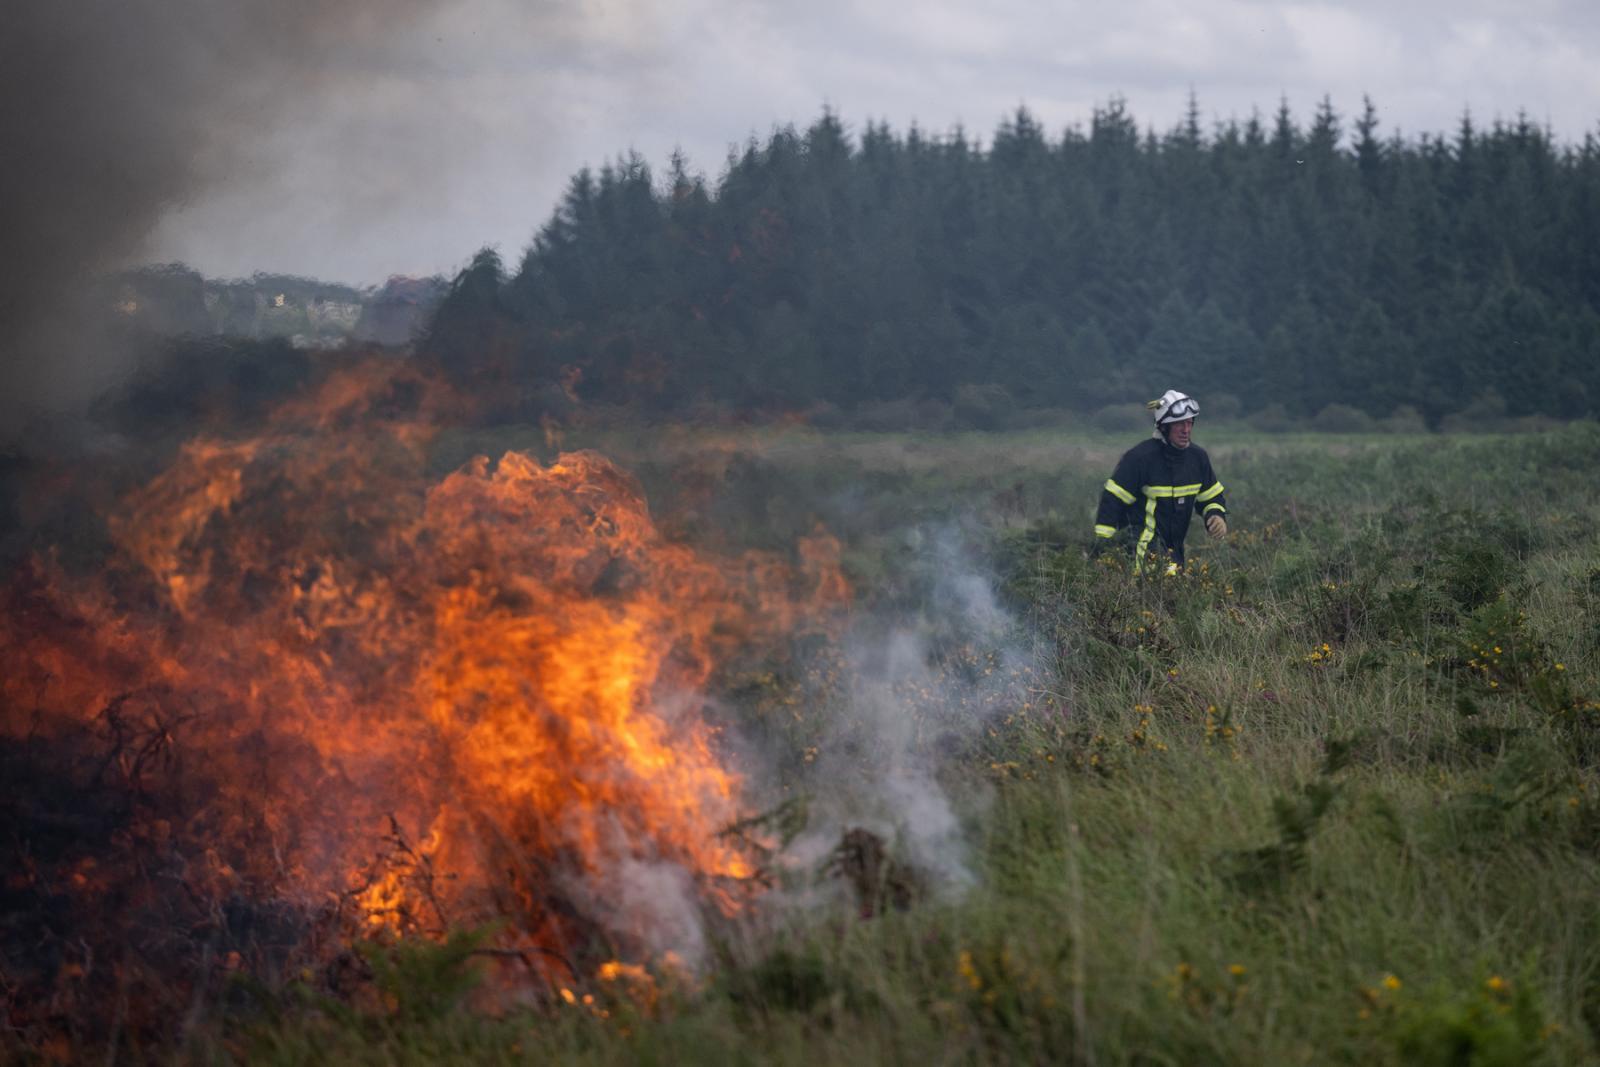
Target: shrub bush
[(1342, 418), (1404, 419), (1221, 407), (983, 407), (1121, 418), (1274, 418)]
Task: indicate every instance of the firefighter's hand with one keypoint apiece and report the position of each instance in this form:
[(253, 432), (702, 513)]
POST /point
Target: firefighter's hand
[(1216, 526)]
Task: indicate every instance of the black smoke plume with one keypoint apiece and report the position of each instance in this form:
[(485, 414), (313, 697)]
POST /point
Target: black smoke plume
[(111, 111)]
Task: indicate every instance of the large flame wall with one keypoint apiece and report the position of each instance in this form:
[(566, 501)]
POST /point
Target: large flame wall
[(427, 701)]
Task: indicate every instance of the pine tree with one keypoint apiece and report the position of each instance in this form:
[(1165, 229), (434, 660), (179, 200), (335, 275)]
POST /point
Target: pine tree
[(1276, 263)]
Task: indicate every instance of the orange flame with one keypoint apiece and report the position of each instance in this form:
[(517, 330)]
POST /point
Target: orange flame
[(504, 662)]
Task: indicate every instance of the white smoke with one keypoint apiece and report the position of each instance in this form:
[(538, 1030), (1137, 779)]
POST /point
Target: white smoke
[(658, 904), (920, 679), (923, 679)]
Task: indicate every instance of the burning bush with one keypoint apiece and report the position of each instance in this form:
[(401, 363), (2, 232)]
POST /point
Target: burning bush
[(312, 696)]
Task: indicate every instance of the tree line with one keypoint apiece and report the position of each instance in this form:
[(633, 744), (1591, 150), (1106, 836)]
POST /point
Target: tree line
[(1266, 260)]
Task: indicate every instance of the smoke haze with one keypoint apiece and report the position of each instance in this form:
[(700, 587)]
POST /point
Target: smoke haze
[(114, 113), (919, 681)]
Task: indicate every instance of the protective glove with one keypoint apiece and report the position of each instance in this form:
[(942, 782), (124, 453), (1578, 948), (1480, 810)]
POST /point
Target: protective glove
[(1216, 525)]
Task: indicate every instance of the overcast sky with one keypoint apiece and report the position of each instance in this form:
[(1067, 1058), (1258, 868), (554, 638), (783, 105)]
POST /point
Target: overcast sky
[(439, 134)]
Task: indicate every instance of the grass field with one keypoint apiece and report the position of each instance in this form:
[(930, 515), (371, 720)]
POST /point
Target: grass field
[(1331, 796)]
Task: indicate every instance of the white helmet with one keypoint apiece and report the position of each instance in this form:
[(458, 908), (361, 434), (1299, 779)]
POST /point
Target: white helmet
[(1173, 407)]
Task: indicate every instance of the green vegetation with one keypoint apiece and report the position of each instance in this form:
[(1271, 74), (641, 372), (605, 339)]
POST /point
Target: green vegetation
[(889, 279), (1331, 796)]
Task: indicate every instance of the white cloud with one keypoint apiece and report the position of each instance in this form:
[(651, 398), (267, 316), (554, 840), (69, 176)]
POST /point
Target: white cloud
[(465, 131), (1339, 45)]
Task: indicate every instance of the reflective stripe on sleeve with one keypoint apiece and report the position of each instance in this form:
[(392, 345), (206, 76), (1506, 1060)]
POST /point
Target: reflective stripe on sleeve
[(1213, 506), (1117, 491), (1105, 531), (1214, 491)]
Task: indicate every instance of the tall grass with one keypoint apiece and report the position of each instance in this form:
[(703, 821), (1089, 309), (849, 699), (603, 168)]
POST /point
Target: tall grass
[(1331, 796)]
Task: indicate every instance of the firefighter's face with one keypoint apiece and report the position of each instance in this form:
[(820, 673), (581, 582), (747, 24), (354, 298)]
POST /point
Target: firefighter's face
[(1178, 433)]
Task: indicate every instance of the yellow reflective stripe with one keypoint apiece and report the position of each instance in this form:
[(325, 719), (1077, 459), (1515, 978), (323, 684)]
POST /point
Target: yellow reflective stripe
[(1117, 491), (1209, 508), (1105, 531), (1154, 491), (1215, 490), (1149, 532)]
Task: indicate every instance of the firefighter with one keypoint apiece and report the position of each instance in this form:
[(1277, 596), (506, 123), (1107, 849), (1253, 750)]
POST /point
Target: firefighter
[(1158, 486)]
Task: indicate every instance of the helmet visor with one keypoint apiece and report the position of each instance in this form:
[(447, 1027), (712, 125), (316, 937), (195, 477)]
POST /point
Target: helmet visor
[(1180, 410)]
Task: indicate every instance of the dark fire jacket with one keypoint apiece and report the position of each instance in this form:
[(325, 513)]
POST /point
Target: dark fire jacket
[(1154, 491)]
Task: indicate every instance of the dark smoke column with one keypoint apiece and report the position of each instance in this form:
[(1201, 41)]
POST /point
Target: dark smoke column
[(112, 110)]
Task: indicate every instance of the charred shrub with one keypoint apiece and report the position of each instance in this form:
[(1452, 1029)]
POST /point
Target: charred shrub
[(878, 879), (114, 920)]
